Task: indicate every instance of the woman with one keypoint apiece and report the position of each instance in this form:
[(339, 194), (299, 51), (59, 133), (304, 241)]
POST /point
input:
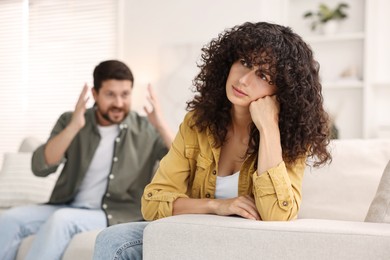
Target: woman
[(241, 149)]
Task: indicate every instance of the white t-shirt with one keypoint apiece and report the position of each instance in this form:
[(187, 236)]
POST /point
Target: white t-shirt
[(227, 186), (94, 184)]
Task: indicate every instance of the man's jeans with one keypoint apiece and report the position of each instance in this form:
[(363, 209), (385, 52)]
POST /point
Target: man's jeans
[(123, 241), (53, 225)]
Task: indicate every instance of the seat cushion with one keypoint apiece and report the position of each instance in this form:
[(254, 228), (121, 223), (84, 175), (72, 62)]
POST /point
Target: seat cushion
[(80, 247), (24, 247), (379, 210), (345, 188), (19, 186)]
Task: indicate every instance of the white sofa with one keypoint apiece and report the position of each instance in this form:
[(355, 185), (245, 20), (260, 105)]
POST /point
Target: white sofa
[(18, 186), (330, 223)]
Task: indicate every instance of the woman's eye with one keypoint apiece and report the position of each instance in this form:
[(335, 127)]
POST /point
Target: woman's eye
[(245, 63), (264, 77)]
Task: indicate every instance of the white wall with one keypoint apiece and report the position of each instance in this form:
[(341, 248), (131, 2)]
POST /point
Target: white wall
[(48, 50), (380, 70), (162, 42), (382, 42)]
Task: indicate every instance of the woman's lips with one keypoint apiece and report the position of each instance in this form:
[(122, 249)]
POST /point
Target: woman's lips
[(238, 92)]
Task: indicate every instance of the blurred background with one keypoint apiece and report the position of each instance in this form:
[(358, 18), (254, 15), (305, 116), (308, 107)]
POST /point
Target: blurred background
[(49, 48)]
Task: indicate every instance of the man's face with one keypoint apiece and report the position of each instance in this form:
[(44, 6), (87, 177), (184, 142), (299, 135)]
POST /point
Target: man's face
[(113, 101)]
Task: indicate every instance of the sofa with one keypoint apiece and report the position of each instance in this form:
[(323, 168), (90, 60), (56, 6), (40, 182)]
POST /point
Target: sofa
[(18, 186), (330, 224)]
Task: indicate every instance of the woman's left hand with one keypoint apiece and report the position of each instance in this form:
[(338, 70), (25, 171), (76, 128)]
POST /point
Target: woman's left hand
[(265, 111)]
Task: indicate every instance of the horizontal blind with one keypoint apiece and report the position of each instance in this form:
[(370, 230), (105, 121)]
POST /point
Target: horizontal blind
[(48, 50), (11, 72)]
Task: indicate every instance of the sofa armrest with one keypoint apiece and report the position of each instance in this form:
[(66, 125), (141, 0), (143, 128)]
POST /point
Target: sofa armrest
[(217, 237)]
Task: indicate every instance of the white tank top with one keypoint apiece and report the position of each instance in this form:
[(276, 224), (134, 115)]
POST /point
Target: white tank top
[(227, 186)]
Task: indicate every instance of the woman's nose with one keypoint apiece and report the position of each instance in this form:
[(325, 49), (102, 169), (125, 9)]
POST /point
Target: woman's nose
[(246, 78)]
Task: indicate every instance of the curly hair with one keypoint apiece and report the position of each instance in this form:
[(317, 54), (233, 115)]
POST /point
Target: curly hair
[(303, 122)]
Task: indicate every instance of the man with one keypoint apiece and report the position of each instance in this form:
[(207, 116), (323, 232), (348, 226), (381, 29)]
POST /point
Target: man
[(108, 152)]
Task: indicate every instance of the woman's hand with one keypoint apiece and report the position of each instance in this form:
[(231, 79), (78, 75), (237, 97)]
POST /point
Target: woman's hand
[(243, 206), (265, 111), (265, 115)]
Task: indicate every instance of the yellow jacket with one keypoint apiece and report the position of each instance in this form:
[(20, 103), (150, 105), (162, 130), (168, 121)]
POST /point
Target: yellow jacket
[(189, 170)]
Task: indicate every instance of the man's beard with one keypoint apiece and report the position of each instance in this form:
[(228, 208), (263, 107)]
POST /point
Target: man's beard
[(107, 117)]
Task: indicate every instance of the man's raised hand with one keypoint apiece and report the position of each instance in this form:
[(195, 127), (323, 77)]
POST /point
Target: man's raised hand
[(78, 119)]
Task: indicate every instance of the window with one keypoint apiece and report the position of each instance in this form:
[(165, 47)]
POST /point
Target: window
[(48, 50)]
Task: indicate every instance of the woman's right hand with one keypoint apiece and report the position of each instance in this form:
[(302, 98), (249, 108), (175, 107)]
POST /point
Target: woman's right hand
[(243, 206), (265, 111)]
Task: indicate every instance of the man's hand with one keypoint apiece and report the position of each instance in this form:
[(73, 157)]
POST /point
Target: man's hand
[(78, 119), (56, 147), (154, 115), (156, 119), (243, 206)]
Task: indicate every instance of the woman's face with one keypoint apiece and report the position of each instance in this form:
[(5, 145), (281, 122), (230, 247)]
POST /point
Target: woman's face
[(246, 83)]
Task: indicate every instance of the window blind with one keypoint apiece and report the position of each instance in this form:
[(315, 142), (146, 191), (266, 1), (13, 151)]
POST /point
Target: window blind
[(48, 50)]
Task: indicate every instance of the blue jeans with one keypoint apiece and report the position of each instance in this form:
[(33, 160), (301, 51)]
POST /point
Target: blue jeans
[(123, 241), (53, 226)]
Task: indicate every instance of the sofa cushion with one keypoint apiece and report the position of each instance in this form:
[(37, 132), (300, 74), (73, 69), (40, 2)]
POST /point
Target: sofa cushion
[(344, 189), (24, 247), (379, 210), (19, 186), (29, 144), (80, 247)]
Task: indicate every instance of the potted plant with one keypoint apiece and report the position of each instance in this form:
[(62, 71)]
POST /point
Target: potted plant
[(327, 17)]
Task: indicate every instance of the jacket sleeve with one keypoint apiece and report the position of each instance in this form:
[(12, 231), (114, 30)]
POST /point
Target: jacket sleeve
[(38, 163), (170, 181), (277, 191)]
